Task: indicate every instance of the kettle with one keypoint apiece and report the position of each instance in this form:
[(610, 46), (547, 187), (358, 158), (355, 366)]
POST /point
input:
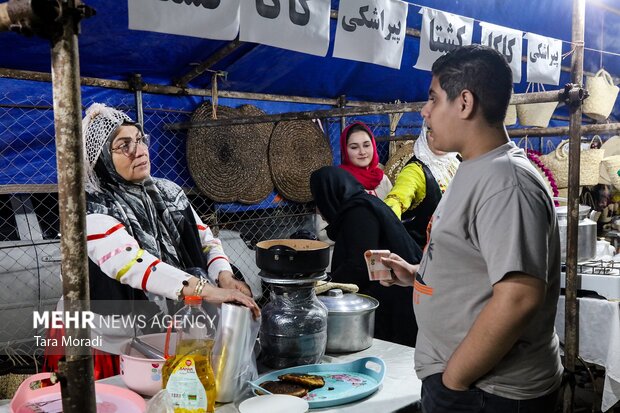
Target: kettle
[(586, 233)]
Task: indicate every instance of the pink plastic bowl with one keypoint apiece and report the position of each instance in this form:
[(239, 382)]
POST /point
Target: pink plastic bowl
[(144, 375)]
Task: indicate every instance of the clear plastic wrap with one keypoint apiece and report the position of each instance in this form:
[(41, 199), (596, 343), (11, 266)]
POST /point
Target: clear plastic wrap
[(160, 403), (233, 356)]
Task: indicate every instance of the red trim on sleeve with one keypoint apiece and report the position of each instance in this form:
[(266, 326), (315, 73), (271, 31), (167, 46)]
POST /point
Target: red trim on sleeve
[(105, 234), (147, 274), (202, 227), (221, 257)]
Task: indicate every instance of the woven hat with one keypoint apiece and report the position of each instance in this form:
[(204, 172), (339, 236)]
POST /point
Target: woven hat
[(611, 148), (225, 161), (296, 149), (397, 161)]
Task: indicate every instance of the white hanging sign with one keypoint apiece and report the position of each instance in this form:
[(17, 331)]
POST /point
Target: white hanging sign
[(299, 25), (508, 42), (441, 33), (209, 19), (544, 59), (371, 31)]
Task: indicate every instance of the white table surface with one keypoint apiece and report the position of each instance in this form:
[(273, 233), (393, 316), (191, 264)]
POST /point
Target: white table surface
[(400, 387), (599, 340)]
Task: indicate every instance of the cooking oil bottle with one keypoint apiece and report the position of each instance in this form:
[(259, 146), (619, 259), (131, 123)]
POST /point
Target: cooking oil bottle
[(188, 376)]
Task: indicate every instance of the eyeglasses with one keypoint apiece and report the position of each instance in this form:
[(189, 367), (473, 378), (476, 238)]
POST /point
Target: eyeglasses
[(129, 146)]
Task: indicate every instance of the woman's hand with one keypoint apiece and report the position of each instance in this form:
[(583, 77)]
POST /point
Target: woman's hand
[(217, 295), (226, 279), (403, 272)]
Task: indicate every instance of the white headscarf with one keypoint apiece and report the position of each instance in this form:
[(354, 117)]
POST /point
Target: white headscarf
[(98, 125), (443, 167)]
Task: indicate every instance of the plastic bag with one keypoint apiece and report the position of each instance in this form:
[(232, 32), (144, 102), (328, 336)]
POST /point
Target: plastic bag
[(160, 403)]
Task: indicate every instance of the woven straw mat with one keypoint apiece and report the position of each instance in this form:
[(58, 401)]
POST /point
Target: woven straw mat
[(261, 185), (227, 162), (296, 149)]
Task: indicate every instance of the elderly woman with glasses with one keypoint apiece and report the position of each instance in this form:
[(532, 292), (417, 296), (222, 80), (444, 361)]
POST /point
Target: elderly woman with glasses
[(144, 239)]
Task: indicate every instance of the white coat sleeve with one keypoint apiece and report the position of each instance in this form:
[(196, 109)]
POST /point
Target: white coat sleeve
[(119, 256), (217, 260)]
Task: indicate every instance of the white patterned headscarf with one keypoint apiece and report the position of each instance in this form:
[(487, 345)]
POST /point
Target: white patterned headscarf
[(98, 126), (152, 210), (443, 167)]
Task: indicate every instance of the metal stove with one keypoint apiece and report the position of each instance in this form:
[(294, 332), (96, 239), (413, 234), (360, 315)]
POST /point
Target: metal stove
[(599, 276)]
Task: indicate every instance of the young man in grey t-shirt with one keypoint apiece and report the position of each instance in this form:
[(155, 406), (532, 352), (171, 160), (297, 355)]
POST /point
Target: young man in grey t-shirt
[(486, 290)]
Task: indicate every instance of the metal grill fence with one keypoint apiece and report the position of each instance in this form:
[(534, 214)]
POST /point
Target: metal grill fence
[(29, 221)]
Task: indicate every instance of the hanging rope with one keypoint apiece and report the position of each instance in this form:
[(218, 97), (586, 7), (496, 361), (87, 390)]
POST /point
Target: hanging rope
[(394, 119), (214, 95)]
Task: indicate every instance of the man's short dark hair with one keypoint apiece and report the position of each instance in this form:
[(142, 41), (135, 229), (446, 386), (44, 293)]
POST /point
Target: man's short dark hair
[(481, 70)]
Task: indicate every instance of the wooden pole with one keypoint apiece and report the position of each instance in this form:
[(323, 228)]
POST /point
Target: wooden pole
[(76, 371), (571, 320), (376, 109), (564, 130)]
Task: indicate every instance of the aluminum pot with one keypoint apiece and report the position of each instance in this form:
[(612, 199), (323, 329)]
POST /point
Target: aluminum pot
[(292, 256), (586, 233), (350, 321)]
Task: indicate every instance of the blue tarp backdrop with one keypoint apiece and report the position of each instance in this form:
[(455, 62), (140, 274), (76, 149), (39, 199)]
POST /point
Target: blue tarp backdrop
[(109, 50)]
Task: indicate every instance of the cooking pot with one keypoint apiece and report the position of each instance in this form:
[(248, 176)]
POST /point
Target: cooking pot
[(292, 256), (586, 233), (350, 321)]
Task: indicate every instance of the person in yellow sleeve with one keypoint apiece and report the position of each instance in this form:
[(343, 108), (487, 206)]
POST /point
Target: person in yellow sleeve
[(420, 185)]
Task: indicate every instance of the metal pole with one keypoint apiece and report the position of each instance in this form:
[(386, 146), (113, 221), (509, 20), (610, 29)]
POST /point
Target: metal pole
[(342, 103), (137, 84), (77, 383), (571, 321)]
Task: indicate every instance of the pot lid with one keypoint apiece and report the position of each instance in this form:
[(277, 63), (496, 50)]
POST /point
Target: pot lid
[(562, 211), (338, 302)]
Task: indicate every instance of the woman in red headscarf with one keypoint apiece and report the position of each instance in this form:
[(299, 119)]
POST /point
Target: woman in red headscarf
[(359, 157)]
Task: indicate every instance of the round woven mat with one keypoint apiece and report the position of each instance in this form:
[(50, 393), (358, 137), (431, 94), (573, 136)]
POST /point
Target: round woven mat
[(296, 149), (397, 161), (225, 161), (260, 185)]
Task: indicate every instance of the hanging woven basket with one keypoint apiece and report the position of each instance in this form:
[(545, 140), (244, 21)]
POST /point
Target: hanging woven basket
[(557, 163), (536, 114), (227, 162), (602, 97), (296, 149), (511, 115)]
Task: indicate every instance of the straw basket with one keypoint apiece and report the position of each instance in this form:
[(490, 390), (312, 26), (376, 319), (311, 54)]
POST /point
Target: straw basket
[(557, 163), (543, 171), (511, 115), (397, 161), (609, 171), (602, 97), (536, 114)]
